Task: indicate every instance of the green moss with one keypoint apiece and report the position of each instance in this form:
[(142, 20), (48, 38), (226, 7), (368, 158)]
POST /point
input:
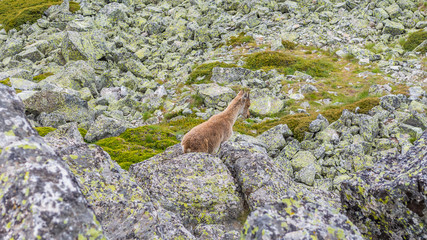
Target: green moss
[(41, 77), (82, 132), (137, 144), (288, 44), (288, 64), (43, 131), (239, 40), (414, 40), (14, 13), (205, 70), (6, 82), (74, 6)]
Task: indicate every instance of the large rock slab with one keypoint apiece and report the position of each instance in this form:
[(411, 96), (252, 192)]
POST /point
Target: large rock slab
[(57, 107), (266, 105), (84, 46), (215, 95), (389, 200), (126, 210), (39, 195), (294, 219), (105, 127), (261, 179), (197, 186)]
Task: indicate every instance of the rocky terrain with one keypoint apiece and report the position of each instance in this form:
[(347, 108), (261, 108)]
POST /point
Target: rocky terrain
[(335, 147)]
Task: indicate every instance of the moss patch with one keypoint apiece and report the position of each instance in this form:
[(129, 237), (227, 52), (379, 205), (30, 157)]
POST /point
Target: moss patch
[(288, 64), (43, 131), (239, 40), (41, 77), (414, 40), (74, 6), (83, 132), (137, 144), (205, 70), (14, 13), (6, 82), (288, 44)]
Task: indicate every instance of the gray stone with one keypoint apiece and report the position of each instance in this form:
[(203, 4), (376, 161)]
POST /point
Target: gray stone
[(290, 150), (380, 14), (266, 105), (302, 159), (32, 54), (197, 186), (229, 75), (262, 180), (416, 92), (274, 138), (319, 124), (393, 189), (84, 46), (307, 88), (104, 127), (212, 94), (69, 108), (393, 28)]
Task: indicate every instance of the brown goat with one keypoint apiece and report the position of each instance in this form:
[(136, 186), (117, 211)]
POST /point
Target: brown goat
[(208, 136)]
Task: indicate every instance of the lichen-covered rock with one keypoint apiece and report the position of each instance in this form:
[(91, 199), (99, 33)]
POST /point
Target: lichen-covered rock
[(294, 219), (64, 106), (266, 105), (124, 209), (329, 135), (393, 28), (39, 196), (105, 127), (32, 54), (391, 102), (214, 94), (302, 159), (197, 186), (275, 138), (84, 46), (319, 124), (76, 75), (389, 200), (290, 150), (11, 47), (229, 75), (262, 180)]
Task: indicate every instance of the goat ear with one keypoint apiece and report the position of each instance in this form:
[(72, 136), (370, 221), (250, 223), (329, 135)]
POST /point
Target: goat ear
[(245, 95)]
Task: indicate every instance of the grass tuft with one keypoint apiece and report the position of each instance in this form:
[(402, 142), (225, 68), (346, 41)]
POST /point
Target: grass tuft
[(43, 131), (239, 40), (41, 77), (288, 64), (289, 45), (14, 13), (414, 40)]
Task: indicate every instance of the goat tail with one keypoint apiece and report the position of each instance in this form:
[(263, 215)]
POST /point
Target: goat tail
[(185, 149)]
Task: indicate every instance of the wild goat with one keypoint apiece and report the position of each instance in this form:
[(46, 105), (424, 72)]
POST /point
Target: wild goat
[(208, 136)]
